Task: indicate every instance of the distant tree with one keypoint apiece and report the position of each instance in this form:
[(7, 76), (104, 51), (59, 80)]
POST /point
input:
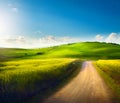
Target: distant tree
[(39, 53)]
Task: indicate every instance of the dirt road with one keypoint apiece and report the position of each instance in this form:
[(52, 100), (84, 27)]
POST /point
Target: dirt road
[(86, 87)]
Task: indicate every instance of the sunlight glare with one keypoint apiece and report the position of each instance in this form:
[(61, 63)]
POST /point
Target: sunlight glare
[(6, 25)]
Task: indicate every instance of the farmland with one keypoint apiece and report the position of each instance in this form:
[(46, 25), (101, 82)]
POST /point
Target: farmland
[(24, 78), (26, 72)]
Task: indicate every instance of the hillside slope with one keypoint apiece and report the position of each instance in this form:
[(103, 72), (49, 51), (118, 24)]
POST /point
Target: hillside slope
[(84, 50)]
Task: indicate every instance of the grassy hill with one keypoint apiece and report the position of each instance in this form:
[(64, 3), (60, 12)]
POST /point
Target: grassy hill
[(83, 50)]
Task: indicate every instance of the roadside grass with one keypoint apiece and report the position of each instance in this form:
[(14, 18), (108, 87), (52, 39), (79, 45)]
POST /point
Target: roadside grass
[(110, 71), (25, 78)]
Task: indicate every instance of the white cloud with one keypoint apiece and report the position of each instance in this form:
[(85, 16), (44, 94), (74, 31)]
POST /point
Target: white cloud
[(14, 9), (10, 40), (24, 42), (111, 38), (99, 37), (51, 40), (21, 39)]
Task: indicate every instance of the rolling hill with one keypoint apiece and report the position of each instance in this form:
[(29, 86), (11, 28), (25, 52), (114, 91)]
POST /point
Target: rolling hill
[(83, 50)]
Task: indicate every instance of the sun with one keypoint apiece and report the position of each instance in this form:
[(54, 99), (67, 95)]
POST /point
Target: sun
[(5, 24), (8, 23)]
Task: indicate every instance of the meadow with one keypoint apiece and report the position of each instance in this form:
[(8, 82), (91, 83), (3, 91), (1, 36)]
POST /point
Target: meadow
[(110, 71), (27, 72), (82, 50), (25, 78)]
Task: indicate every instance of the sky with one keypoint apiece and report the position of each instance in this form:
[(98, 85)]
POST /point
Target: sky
[(39, 23)]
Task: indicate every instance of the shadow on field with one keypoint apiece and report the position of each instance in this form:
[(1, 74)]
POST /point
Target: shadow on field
[(73, 68)]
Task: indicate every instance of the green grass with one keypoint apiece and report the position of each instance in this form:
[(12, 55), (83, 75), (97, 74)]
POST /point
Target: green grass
[(84, 50), (110, 71), (26, 77), (87, 50)]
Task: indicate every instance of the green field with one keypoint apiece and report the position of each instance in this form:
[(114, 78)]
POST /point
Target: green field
[(110, 71), (85, 50), (26, 72), (23, 78)]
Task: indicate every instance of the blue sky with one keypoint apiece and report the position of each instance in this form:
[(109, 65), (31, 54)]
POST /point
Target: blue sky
[(82, 19)]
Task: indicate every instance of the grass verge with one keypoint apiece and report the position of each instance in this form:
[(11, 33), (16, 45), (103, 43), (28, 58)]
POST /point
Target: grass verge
[(110, 71)]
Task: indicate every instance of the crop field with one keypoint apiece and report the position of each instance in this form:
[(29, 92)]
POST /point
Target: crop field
[(26, 77), (111, 74)]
